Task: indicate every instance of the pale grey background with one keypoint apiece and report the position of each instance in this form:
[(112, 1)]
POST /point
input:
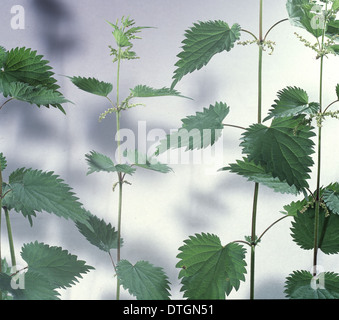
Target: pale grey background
[(160, 211)]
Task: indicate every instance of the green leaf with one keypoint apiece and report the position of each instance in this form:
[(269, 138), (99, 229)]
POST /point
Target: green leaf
[(335, 5), (143, 161), (283, 149), (93, 85), (98, 162), (331, 197), (337, 90), (3, 162), (143, 91), (294, 207), (3, 56), (61, 268), (201, 43), (34, 190), (143, 280), (292, 101), (36, 287), (332, 29), (22, 65), (255, 172), (101, 234), (302, 285), (210, 270), (38, 95), (197, 131), (303, 230), (303, 14)]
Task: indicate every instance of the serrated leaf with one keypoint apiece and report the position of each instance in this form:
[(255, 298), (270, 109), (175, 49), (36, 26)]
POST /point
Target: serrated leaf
[(22, 65), (197, 131), (38, 95), (3, 162), (143, 91), (36, 287), (143, 161), (292, 101), (294, 207), (93, 85), (201, 43), (210, 270), (34, 190), (61, 268), (143, 280), (3, 56), (99, 162), (331, 197), (302, 13), (101, 234), (255, 172), (303, 230), (303, 285), (283, 149)]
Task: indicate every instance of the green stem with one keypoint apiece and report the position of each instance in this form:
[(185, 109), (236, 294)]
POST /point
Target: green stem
[(120, 177), (256, 186), (253, 239), (317, 203), (0, 225), (10, 238)]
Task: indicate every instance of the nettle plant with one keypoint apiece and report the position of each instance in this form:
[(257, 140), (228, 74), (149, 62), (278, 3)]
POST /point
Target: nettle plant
[(277, 152), (142, 279), (25, 76)]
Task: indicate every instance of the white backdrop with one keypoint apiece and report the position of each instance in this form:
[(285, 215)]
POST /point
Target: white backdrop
[(159, 211)]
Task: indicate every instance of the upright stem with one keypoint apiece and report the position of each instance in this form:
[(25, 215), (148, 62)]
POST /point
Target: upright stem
[(317, 203), (256, 186), (120, 177), (10, 238), (0, 225)]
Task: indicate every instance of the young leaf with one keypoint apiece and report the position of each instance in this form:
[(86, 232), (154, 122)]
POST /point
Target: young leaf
[(93, 85), (101, 234), (61, 268), (201, 43), (303, 230), (98, 162), (292, 101), (302, 285), (210, 270), (197, 131), (281, 149), (142, 91), (141, 160), (302, 13), (33, 190), (294, 207), (143, 280), (255, 172)]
